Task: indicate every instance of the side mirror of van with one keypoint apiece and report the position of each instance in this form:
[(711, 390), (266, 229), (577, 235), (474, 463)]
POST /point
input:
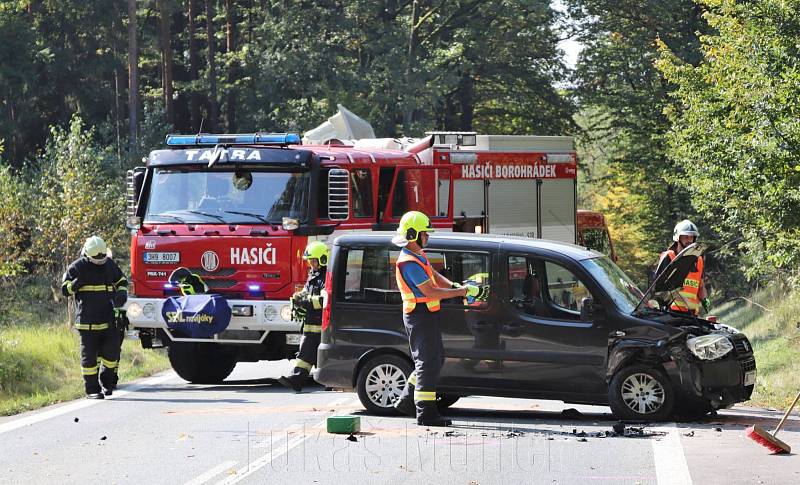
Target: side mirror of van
[(587, 309)]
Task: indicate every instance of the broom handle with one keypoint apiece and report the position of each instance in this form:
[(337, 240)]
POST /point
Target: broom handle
[(787, 414)]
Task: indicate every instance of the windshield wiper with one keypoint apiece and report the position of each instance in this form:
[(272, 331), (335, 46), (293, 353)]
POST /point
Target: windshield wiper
[(214, 216), (249, 214), (168, 215)]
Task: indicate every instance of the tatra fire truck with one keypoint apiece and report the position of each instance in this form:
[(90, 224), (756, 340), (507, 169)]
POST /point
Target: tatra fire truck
[(238, 209)]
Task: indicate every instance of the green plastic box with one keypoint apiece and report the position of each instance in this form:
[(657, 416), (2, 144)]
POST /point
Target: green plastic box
[(344, 424)]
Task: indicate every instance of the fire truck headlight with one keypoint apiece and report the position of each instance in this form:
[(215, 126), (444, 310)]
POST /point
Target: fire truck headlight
[(290, 224), (134, 310), (149, 311), (270, 313), (286, 313)]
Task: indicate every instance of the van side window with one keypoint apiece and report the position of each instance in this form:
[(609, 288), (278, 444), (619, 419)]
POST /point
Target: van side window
[(563, 288), (369, 277), (459, 267), (524, 287)]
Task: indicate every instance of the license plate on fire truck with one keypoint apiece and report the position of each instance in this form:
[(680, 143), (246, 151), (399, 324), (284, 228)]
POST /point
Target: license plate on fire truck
[(293, 338), (749, 378), (162, 258)]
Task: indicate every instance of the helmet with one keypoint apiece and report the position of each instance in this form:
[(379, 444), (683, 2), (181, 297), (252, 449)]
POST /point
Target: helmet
[(411, 224), (96, 250), (685, 228), (317, 250), (188, 282)]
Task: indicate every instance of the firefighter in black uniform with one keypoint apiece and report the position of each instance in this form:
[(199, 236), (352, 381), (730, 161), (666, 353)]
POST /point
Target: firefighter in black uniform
[(422, 288), (307, 308), (99, 288)]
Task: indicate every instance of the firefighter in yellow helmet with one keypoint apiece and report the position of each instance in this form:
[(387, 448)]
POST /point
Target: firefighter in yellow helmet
[(100, 289), (307, 308), (421, 288), (693, 295)]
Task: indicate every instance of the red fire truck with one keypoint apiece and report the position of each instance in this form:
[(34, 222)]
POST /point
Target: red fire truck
[(239, 209)]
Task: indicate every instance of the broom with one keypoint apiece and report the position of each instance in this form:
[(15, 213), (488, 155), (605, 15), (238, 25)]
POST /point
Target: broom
[(769, 441)]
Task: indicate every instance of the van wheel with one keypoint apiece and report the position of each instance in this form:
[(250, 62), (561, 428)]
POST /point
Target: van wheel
[(641, 393), (201, 363), (444, 401), (380, 383)]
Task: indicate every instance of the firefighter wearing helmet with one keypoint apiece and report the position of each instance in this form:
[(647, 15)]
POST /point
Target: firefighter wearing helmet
[(100, 289), (693, 295), (421, 289), (307, 308)]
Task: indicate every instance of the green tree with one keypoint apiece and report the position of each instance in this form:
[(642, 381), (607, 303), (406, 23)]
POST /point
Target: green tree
[(736, 132)]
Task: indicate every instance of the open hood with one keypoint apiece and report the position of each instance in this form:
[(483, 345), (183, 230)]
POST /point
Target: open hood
[(670, 280)]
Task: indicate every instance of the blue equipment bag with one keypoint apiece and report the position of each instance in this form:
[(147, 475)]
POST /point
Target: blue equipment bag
[(197, 316)]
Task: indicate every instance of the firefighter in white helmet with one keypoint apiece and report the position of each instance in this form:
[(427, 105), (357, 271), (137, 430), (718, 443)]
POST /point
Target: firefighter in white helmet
[(693, 295), (100, 289), (307, 308)]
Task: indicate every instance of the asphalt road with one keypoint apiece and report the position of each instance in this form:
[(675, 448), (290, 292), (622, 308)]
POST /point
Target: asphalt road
[(250, 430)]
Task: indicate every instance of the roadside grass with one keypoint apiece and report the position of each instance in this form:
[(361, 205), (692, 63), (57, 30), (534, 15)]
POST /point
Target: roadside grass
[(40, 354), (774, 333)]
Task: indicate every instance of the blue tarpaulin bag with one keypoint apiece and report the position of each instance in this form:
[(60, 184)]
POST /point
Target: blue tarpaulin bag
[(197, 316)]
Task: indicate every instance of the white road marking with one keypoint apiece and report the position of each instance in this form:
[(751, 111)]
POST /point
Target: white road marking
[(80, 404), (274, 453), (670, 461), (212, 473)]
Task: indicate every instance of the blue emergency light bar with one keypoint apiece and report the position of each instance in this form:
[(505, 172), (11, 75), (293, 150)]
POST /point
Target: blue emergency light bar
[(281, 139)]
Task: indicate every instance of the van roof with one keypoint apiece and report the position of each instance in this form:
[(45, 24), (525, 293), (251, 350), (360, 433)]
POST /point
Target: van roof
[(384, 237)]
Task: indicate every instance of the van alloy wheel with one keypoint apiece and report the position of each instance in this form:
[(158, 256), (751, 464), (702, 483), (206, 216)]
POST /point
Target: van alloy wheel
[(384, 383), (642, 393)]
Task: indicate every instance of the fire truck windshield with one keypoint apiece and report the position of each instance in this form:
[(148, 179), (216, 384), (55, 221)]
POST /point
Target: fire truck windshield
[(229, 197)]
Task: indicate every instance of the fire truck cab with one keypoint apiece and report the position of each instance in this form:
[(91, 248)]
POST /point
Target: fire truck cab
[(239, 209)]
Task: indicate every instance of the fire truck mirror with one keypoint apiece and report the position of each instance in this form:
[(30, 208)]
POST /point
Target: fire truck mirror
[(338, 194), (134, 183)]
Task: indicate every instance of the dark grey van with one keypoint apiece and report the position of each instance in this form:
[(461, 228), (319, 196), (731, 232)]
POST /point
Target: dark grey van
[(562, 322)]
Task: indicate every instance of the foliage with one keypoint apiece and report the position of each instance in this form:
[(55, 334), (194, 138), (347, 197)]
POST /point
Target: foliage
[(736, 131), (79, 194), (15, 222)]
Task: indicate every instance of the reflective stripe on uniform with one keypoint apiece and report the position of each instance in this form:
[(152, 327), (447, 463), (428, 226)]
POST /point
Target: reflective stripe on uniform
[(96, 288), (412, 379), (91, 326), (406, 294), (691, 287), (316, 301), (68, 285), (109, 364), (424, 395), (302, 364), (121, 282), (312, 328), (90, 371)]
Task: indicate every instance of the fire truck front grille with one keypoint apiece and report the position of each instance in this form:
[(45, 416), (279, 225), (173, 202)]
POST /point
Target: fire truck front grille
[(221, 284), (218, 272)]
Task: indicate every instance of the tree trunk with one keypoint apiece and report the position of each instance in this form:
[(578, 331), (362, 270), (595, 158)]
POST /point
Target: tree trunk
[(166, 59), (466, 100), (133, 77), (230, 97), (413, 39), (194, 99), (213, 108)]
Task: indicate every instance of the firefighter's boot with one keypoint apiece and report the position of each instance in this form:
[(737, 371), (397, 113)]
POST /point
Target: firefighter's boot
[(95, 395), (405, 403), (428, 415), (294, 381)]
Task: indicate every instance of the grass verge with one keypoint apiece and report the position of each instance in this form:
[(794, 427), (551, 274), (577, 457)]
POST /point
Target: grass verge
[(40, 365), (770, 320)]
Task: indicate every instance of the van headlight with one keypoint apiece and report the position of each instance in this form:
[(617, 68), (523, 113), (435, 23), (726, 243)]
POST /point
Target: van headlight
[(709, 347)]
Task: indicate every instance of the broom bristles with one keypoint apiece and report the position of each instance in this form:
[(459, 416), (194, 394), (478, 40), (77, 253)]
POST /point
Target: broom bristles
[(762, 437)]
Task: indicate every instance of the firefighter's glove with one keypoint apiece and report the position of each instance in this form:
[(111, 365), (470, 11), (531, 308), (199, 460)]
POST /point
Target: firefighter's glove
[(299, 313), (120, 297), (455, 285), (706, 304), (477, 293)]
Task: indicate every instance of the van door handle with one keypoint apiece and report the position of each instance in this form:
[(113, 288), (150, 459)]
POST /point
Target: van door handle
[(618, 333)]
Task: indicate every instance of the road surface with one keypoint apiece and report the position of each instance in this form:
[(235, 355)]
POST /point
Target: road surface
[(252, 431)]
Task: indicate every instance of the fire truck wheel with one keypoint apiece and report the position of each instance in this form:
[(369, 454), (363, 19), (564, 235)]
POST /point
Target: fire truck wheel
[(201, 363)]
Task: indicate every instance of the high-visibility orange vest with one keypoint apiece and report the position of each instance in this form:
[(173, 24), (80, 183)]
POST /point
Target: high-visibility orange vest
[(691, 287), (409, 299)]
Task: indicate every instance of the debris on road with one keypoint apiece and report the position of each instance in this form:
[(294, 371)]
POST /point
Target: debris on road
[(352, 438), (103, 438), (718, 430), (689, 434), (76, 420), (343, 424), (572, 413)]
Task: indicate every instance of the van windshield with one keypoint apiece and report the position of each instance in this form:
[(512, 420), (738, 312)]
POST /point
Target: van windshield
[(621, 289), (227, 197)]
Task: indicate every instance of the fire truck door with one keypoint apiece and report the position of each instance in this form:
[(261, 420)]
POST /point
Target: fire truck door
[(558, 210), (512, 207)]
